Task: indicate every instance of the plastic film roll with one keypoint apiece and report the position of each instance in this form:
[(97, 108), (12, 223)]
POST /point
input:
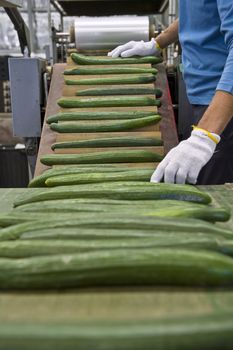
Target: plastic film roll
[(104, 33)]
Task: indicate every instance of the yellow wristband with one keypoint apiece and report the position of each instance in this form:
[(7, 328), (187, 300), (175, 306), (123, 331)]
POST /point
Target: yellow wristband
[(209, 134), (157, 45)]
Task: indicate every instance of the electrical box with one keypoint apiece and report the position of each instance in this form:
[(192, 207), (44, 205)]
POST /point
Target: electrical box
[(26, 81)]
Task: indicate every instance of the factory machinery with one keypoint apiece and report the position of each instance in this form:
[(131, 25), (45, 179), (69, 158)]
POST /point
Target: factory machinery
[(110, 24), (92, 255)]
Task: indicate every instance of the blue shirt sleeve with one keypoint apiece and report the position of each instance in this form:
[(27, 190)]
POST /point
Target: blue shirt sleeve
[(225, 9)]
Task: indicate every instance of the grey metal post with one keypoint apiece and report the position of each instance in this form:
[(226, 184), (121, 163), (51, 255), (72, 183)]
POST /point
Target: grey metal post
[(171, 18), (50, 34), (31, 21)]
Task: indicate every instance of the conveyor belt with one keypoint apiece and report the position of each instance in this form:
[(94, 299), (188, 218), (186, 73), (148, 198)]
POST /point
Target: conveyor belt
[(57, 88)]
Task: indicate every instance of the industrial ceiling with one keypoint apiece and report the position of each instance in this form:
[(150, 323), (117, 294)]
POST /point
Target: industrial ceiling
[(111, 7)]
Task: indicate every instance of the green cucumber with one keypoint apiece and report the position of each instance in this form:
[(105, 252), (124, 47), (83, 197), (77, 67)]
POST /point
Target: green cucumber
[(120, 91), (105, 126), (92, 60), (211, 214), (131, 156), (210, 331), (39, 181), (76, 179), (76, 204), (138, 225), (122, 141), (69, 116), (118, 190), (101, 204), (207, 213), (109, 70), (163, 208), (119, 267), (103, 234), (130, 79), (193, 211), (31, 248), (114, 101)]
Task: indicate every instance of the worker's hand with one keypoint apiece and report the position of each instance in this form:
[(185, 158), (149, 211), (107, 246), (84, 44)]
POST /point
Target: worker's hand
[(184, 162), (136, 48)]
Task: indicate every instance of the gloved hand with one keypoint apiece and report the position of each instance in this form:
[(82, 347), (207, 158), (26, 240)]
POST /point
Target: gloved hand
[(184, 162), (136, 48)]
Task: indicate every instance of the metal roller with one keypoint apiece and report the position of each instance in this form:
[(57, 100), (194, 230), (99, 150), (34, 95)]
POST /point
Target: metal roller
[(104, 33)]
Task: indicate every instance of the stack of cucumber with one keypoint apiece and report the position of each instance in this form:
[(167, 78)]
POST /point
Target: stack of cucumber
[(103, 231), (118, 86), (89, 223)]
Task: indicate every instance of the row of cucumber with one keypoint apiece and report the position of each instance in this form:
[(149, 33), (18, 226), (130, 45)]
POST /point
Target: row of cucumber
[(101, 225), (53, 241), (50, 243), (114, 96), (119, 234), (107, 122)]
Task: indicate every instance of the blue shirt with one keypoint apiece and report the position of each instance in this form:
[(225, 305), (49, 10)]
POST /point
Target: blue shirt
[(206, 37)]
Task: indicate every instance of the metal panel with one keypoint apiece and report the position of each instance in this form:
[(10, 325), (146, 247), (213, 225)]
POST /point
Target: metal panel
[(26, 96)]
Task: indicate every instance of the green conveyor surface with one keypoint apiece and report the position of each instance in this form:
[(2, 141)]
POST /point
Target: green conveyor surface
[(71, 307)]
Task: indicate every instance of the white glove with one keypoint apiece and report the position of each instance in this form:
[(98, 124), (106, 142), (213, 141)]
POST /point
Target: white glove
[(136, 48), (184, 162)]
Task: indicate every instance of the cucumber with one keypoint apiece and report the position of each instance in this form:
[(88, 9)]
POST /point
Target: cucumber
[(76, 179), (122, 141), (154, 210), (130, 79), (118, 267), (32, 248), (131, 156), (67, 116), (92, 60), (109, 70), (119, 190), (76, 204), (114, 101), (105, 126), (207, 213), (149, 207), (213, 331), (205, 332), (104, 234), (39, 181), (120, 91), (37, 225)]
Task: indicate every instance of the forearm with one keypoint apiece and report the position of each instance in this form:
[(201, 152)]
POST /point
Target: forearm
[(169, 36), (218, 114)]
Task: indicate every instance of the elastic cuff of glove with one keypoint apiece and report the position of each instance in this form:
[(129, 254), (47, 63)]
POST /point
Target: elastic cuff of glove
[(214, 137), (157, 46)]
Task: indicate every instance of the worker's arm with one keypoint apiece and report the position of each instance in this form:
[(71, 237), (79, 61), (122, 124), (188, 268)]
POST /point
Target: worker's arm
[(220, 110), (184, 162), (153, 47), (169, 36), (219, 113)]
